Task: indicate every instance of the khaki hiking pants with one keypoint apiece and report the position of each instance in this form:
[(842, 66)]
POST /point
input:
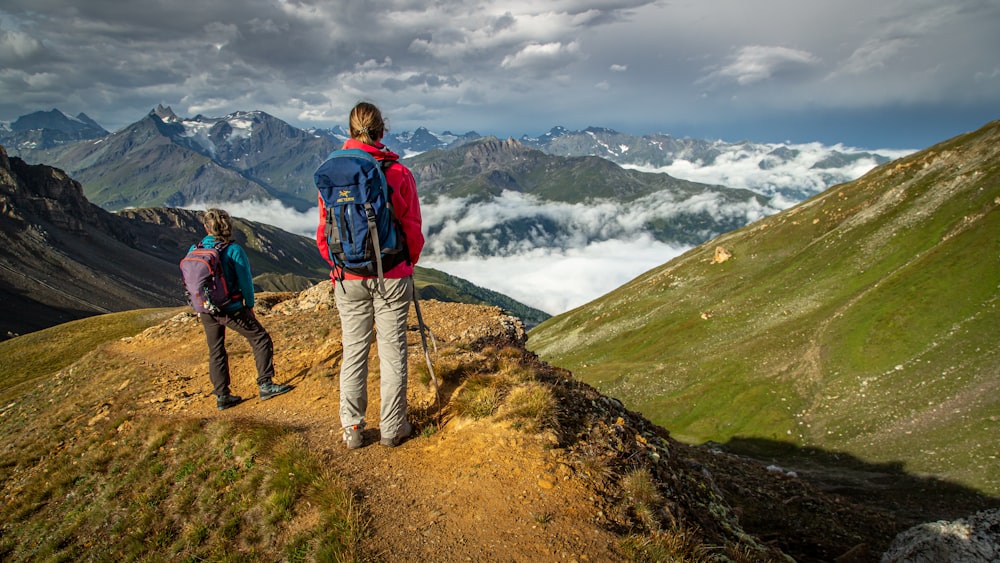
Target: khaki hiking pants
[(365, 312)]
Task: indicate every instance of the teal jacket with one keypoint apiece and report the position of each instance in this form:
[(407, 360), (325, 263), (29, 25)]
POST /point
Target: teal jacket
[(236, 268)]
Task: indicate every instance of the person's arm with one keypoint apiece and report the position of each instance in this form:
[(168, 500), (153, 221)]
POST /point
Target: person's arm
[(321, 243), (244, 277), (406, 205)]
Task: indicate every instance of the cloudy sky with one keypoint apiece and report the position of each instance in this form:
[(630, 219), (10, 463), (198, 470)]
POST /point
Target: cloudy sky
[(888, 74)]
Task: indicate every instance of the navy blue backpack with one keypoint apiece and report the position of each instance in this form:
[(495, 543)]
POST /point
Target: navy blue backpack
[(361, 229)]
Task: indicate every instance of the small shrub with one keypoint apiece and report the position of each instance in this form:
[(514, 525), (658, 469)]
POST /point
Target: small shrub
[(674, 546), (448, 367)]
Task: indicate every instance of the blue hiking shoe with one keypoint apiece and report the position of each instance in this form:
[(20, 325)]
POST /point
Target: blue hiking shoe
[(268, 390), (227, 400)]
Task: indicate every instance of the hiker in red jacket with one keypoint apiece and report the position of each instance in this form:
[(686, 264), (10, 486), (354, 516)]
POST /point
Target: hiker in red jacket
[(363, 305)]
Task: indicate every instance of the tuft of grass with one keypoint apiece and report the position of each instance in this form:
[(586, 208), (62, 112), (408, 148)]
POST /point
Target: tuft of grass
[(481, 396), (450, 366), (679, 545), (644, 496), (532, 406), (510, 363), (595, 465), (543, 518)]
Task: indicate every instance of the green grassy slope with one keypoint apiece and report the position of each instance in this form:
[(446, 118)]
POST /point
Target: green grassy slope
[(863, 320)]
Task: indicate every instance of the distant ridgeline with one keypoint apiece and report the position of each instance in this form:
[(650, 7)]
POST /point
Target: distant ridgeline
[(166, 160)]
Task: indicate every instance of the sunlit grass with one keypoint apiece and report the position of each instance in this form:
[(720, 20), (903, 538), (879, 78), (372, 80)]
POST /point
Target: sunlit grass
[(181, 490), (47, 351)]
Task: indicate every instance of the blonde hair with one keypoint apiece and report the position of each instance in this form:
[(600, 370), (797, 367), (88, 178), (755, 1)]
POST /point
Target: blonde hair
[(366, 123), (218, 223)]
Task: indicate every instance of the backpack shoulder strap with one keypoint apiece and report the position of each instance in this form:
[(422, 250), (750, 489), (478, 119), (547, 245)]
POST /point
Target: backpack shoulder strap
[(228, 269)]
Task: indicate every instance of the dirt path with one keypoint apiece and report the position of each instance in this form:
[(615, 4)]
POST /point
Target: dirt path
[(470, 490)]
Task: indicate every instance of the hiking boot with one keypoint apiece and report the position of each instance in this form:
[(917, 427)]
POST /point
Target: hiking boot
[(403, 434), (354, 437), (268, 390), (226, 401)]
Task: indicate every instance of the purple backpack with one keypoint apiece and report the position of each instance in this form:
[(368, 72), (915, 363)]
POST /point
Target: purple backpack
[(207, 290)]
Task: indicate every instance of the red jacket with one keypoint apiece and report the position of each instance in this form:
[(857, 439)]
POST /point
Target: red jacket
[(404, 202)]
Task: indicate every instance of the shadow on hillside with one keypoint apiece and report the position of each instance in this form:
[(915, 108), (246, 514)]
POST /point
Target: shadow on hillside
[(913, 499), (24, 314)]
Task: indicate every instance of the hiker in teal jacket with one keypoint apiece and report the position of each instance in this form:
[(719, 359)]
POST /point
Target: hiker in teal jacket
[(238, 315)]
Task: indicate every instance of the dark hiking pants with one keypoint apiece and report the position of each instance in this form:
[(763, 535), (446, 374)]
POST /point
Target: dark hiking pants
[(245, 322)]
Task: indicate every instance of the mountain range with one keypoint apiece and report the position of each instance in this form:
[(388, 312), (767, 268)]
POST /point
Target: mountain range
[(63, 258), (166, 160), (863, 321)]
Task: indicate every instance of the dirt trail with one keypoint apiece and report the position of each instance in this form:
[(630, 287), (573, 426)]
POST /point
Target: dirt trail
[(470, 490)]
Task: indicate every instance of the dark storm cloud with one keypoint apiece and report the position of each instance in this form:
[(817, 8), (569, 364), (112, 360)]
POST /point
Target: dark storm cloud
[(726, 68)]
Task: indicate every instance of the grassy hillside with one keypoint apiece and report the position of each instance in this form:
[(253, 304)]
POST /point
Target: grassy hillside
[(863, 320), (88, 479)]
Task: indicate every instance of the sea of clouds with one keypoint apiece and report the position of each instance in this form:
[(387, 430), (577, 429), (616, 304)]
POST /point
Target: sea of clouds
[(583, 265), (601, 245)]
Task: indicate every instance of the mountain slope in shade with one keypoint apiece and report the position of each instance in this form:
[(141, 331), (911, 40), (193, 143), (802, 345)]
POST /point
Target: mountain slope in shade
[(863, 320), (46, 129), (62, 258)]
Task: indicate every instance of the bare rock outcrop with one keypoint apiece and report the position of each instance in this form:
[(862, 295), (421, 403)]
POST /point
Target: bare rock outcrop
[(967, 540)]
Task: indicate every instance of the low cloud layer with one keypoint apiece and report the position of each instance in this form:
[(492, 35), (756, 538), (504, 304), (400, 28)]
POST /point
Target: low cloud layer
[(595, 247), (578, 252), (557, 280), (791, 178)]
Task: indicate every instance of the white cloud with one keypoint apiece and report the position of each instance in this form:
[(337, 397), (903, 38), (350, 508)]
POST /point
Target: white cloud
[(541, 56), (16, 46), (270, 212), (557, 280), (873, 55), (756, 63)]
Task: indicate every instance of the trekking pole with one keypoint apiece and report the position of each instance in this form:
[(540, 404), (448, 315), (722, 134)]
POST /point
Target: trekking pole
[(423, 339)]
